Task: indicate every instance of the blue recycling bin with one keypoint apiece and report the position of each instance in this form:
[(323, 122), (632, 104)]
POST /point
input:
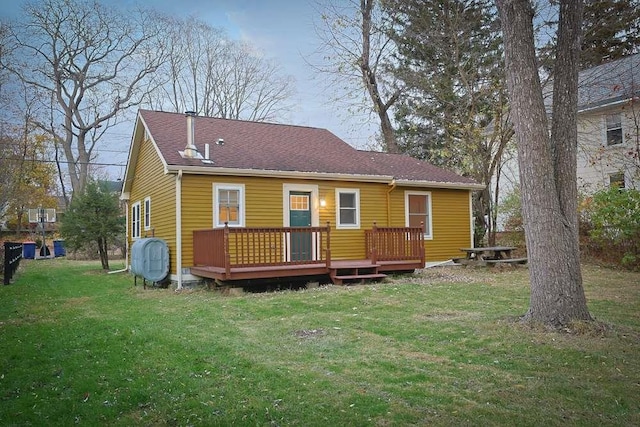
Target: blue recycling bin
[(29, 250), (58, 248)]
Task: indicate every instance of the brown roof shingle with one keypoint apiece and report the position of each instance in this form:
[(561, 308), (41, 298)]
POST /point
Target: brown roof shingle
[(276, 147)]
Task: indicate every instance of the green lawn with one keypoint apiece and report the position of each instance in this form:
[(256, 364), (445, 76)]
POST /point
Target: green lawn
[(78, 346)]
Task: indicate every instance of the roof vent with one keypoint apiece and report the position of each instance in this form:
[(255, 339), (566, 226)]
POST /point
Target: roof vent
[(220, 141), (206, 159), (190, 151)]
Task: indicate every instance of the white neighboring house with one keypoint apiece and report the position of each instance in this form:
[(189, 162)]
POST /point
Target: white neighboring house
[(608, 130), (609, 125)]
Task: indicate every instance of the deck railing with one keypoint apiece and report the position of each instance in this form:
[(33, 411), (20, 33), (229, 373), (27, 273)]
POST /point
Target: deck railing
[(261, 247), (394, 243)]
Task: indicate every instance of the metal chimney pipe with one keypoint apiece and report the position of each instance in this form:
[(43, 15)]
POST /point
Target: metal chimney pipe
[(190, 151)]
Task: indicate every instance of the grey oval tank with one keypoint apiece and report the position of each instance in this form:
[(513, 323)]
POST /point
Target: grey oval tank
[(150, 259)]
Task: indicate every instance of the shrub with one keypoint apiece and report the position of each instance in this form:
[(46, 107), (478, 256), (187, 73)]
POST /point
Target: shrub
[(614, 218)]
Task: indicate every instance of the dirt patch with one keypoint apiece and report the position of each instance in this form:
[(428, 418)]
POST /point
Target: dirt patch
[(309, 333)]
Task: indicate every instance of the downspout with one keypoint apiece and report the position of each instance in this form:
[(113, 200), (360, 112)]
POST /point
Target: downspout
[(179, 228), (473, 223), (393, 187), (126, 239)]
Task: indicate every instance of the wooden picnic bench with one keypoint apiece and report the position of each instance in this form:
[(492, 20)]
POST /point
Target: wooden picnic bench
[(489, 255)]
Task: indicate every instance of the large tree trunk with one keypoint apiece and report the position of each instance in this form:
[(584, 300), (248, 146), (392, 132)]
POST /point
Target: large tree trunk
[(547, 165)]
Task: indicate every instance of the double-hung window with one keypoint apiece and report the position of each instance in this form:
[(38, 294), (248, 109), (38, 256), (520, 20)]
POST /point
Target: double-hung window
[(614, 128), (228, 205), (418, 211), (135, 220), (347, 208), (147, 213)]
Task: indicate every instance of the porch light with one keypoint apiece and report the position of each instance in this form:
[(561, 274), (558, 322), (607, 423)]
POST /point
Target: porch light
[(323, 203)]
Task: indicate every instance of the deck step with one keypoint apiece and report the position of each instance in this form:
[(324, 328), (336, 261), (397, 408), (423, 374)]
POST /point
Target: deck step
[(338, 280)]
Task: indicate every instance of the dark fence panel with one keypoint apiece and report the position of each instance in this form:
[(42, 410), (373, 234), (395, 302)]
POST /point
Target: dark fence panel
[(12, 256)]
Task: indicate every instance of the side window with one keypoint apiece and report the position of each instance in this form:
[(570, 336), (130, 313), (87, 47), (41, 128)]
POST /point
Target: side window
[(616, 180), (614, 128), (147, 213), (418, 211), (135, 220), (228, 205), (347, 208)]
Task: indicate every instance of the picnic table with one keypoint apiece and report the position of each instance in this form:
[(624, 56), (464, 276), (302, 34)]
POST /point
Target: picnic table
[(489, 255)]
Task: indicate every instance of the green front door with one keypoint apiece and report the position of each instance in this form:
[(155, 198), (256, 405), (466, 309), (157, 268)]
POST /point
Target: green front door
[(300, 216)]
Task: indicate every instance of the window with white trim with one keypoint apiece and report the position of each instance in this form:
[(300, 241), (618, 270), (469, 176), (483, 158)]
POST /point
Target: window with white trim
[(147, 213), (228, 205), (418, 211), (135, 220), (347, 208), (614, 128)]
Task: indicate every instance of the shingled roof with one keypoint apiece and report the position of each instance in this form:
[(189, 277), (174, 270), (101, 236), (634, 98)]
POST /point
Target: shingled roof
[(268, 147)]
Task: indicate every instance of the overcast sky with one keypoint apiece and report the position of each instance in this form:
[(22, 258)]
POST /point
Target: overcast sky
[(281, 29)]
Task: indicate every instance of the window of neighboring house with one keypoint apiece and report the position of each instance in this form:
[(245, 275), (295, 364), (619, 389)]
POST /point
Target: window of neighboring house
[(614, 129), (147, 213), (135, 220), (347, 208), (228, 205), (616, 180), (418, 211)]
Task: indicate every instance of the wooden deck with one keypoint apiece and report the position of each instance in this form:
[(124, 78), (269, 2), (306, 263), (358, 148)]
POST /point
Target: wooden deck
[(229, 254)]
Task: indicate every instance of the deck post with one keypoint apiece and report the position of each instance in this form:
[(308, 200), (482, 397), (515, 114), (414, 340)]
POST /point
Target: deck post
[(421, 243), (374, 243), (328, 253), (227, 255)]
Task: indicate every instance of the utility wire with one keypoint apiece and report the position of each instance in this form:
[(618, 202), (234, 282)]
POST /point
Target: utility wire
[(61, 161)]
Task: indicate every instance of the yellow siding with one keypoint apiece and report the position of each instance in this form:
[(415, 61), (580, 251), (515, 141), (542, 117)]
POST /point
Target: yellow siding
[(264, 208), (451, 221), (150, 181)]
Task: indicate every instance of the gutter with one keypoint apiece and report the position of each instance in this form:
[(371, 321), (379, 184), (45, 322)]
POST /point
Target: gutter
[(264, 173), (392, 187), (436, 184), (590, 108)]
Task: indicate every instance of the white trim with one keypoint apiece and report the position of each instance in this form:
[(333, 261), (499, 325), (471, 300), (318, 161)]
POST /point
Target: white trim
[(429, 235), (315, 203), (147, 213), (136, 226), (179, 228), (325, 176), (264, 173), (356, 192), (436, 184), (241, 202)]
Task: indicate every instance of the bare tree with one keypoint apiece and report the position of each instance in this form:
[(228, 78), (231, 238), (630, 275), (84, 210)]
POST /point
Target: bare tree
[(357, 48), (89, 64), (215, 76), (547, 162)]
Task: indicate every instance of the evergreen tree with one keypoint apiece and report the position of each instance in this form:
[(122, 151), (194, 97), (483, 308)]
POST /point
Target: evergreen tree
[(611, 31), (94, 216), (449, 59), (452, 111)]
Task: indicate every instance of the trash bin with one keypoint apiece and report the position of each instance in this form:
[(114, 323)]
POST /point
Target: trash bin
[(29, 250), (58, 248)]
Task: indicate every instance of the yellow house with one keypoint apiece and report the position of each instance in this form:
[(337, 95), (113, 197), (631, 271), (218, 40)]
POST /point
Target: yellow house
[(235, 199)]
